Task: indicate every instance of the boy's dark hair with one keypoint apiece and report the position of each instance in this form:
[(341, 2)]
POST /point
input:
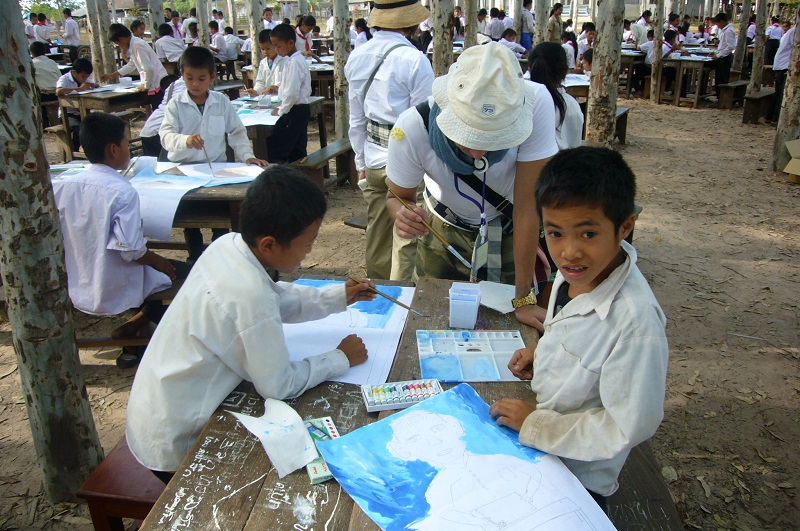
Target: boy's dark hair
[(263, 36), (82, 65), (721, 17), (309, 21), (117, 31), (67, 11), (651, 33), (588, 55), (175, 14), (508, 33), (193, 12), (192, 27), (33, 16), (38, 48), (135, 24), (588, 176), (164, 30), (589, 26), (213, 25), (98, 130), (669, 35), (284, 32), (282, 203), (198, 57), (776, 20), (267, 9), (647, 13), (42, 17), (526, 3), (494, 12), (317, 29), (547, 64), (228, 30), (481, 12), (673, 16)]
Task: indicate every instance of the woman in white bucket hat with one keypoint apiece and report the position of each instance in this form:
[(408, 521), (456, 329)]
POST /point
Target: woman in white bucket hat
[(482, 140)]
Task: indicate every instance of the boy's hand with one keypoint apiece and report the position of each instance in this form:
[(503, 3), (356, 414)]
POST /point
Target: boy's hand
[(272, 89), (521, 363), (165, 266), (106, 77), (252, 93), (275, 112), (354, 348), (359, 291), (531, 315), (511, 412), (195, 141), (86, 86), (141, 88), (257, 162)]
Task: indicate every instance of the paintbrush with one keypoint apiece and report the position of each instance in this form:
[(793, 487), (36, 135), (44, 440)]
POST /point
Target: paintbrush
[(130, 166), (436, 234), (209, 162), (373, 290)]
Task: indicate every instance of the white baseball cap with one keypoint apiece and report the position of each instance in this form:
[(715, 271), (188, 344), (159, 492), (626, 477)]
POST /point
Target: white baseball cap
[(485, 102)]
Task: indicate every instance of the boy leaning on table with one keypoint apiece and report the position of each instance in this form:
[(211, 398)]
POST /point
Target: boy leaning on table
[(599, 370), (225, 324)]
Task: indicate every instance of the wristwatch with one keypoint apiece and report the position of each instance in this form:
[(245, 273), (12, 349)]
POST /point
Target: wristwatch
[(527, 300)]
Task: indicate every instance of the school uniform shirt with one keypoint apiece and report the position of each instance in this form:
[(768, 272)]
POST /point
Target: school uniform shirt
[(295, 87), (224, 326), (527, 21), (584, 45), (727, 41), (156, 118), (599, 374), (775, 31), (569, 51), (303, 42), (182, 118), (647, 48), (555, 26), (404, 80), (234, 44), (751, 31), (412, 160), (269, 24), (514, 46), (247, 45), (30, 32), (784, 53), (46, 74), (639, 34), (569, 133), (67, 81), (170, 49), (642, 22), (626, 35), (145, 61), (269, 73), (101, 223), (185, 28), (41, 33), (361, 38), (496, 28), (218, 42), (177, 31), (72, 36), (508, 23), (481, 27)]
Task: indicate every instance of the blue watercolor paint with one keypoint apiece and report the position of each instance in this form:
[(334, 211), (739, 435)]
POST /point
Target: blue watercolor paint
[(376, 311), (423, 335), (443, 368), (465, 335), (479, 368)]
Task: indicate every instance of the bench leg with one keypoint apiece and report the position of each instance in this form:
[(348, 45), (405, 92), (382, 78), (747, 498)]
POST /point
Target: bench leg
[(725, 98), (316, 176), (102, 521), (346, 165), (621, 131)]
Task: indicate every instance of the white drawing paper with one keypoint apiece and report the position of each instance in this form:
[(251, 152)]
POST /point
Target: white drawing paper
[(497, 296), (223, 172), (257, 116), (159, 196)]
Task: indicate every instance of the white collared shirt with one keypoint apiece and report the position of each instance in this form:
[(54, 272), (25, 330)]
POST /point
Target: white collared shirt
[(527, 21), (647, 48), (156, 118), (72, 35), (144, 60), (481, 27), (295, 86), (639, 33), (784, 53), (642, 22), (569, 51), (185, 28), (727, 41), (508, 22), (404, 79), (751, 30), (569, 134), (269, 75), (496, 28), (46, 73), (170, 49), (218, 42), (177, 30), (182, 119), (234, 43), (584, 45), (102, 227), (224, 326), (302, 42), (42, 33), (775, 31), (599, 374), (269, 24)]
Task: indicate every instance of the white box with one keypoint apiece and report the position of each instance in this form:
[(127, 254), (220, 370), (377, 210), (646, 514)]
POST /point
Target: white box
[(465, 298)]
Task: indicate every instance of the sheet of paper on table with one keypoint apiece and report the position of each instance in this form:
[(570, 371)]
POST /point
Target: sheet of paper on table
[(445, 460), (576, 80), (223, 172), (257, 116), (378, 323), (497, 296)]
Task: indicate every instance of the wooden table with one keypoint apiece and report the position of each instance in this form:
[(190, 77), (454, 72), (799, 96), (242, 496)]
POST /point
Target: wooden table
[(260, 133), (213, 207), (627, 63), (696, 74), (226, 480), (102, 101)]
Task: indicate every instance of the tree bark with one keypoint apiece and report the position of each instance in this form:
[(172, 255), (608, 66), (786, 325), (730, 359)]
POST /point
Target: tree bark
[(254, 14), (573, 13), (602, 109), (341, 51), (741, 43), (232, 17), (710, 5), (105, 61), (302, 6), (442, 36), (674, 6), (540, 24), (202, 24), (35, 283), (758, 50), (593, 10), (156, 10), (776, 8), (658, 43), (516, 14), (113, 10), (471, 23), (789, 122)]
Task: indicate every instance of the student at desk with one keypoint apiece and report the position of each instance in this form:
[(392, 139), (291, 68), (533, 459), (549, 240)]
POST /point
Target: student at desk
[(270, 68), (169, 48), (76, 80), (143, 59), (225, 325), (599, 371)]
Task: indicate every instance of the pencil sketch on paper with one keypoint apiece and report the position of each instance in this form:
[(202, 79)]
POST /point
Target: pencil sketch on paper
[(445, 464)]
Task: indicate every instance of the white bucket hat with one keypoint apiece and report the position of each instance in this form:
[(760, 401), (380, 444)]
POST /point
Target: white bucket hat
[(485, 102)]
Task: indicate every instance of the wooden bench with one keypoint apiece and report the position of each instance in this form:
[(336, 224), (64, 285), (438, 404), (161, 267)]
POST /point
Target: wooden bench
[(315, 164), (120, 488), (757, 105), (731, 93), (621, 124), (767, 76)]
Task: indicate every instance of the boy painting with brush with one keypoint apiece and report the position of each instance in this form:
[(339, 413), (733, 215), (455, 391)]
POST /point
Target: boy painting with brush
[(225, 325)]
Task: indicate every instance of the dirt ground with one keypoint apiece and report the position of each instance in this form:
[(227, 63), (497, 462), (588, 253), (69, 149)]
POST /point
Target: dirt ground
[(718, 241)]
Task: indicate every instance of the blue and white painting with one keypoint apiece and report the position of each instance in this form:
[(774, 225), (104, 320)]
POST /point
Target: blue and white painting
[(445, 464)]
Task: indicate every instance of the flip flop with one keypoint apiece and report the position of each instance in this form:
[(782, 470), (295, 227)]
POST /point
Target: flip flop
[(130, 357)]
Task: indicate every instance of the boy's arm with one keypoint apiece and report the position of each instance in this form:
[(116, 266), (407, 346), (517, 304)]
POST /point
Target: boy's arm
[(290, 87), (358, 129), (300, 303), (157, 262)]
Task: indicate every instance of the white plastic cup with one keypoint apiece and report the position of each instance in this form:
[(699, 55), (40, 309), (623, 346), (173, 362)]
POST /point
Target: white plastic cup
[(465, 297)]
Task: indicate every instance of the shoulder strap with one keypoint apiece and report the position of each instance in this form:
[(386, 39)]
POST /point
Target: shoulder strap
[(371, 78), (500, 203)]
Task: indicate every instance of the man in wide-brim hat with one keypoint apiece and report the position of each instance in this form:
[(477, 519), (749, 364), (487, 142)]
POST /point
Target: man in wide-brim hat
[(387, 75)]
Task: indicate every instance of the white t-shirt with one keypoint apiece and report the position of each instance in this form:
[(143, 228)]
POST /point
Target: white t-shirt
[(569, 51), (569, 134), (411, 159)]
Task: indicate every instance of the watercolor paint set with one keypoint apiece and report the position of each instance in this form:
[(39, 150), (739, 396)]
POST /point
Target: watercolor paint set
[(321, 429), (468, 355), (398, 395)]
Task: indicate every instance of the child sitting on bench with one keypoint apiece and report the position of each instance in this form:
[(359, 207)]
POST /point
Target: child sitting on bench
[(599, 371)]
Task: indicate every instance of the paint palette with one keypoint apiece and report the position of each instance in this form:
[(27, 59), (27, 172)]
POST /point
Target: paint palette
[(468, 355)]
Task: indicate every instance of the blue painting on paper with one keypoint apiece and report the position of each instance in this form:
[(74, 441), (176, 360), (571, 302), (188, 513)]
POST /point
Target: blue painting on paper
[(377, 311)]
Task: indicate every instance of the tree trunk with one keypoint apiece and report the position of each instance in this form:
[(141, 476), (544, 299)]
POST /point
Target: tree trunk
[(202, 25), (710, 6), (673, 6), (516, 14), (232, 18), (156, 11), (35, 281), (658, 43), (741, 43), (758, 50), (471, 23), (776, 8), (105, 61), (303, 7), (442, 36), (593, 10), (341, 51), (789, 122), (573, 12), (602, 109), (540, 24), (254, 13)]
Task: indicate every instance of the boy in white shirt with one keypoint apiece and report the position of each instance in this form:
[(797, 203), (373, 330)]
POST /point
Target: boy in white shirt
[(225, 325), (772, 37), (72, 34), (42, 31), (46, 72), (175, 24), (509, 40), (217, 45), (109, 268), (599, 371), (645, 69), (289, 141), (234, 44), (142, 59), (76, 80), (723, 57), (191, 19), (270, 24), (270, 69), (168, 48)]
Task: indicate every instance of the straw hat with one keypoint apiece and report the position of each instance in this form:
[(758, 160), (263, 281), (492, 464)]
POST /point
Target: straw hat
[(486, 104), (397, 14)]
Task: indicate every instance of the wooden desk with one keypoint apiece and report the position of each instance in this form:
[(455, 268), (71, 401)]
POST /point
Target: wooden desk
[(102, 101), (214, 207), (696, 75), (627, 63), (260, 133)]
